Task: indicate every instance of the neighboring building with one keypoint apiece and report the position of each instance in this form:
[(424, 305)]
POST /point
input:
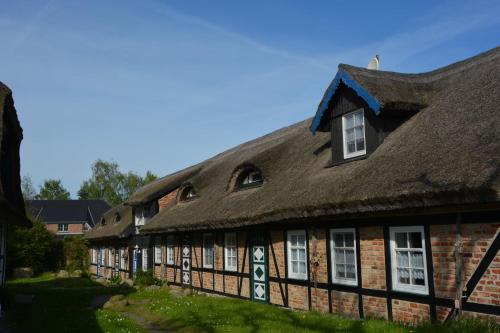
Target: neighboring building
[(68, 217), (12, 210), (386, 203)]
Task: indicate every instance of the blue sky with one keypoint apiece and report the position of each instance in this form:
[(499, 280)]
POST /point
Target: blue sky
[(161, 85)]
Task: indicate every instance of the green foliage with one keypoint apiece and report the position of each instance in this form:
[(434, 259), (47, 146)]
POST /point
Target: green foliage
[(52, 189), (110, 184), (27, 188), (115, 280), (146, 278), (35, 247), (76, 253)]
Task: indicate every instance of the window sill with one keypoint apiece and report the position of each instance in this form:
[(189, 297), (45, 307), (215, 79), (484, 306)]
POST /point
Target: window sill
[(352, 159), (409, 290)]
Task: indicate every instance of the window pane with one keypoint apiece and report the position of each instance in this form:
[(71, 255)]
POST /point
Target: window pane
[(418, 277), (358, 118), (349, 256), (349, 239), (350, 272), (349, 121), (404, 275), (294, 240), (295, 267), (301, 240), (339, 239), (302, 267), (295, 255), (302, 255), (340, 271), (360, 144), (402, 258), (351, 147), (417, 260), (401, 240), (415, 240), (349, 135), (339, 256)]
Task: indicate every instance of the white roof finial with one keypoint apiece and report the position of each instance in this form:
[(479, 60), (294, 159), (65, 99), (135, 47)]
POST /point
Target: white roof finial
[(374, 63)]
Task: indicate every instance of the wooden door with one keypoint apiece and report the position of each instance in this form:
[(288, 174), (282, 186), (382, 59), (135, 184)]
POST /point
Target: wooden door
[(259, 275), (186, 261)]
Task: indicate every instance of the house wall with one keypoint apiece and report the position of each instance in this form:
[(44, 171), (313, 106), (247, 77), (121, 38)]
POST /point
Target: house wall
[(73, 228), (106, 271), (373, 295)]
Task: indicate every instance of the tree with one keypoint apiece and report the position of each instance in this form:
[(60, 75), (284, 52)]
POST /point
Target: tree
[(110, 184), (52, 189), (27, 188)]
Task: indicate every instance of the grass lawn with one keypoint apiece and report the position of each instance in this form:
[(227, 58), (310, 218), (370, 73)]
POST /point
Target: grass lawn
[(62, 305)]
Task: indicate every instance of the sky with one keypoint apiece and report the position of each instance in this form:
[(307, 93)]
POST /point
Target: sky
[(161, 85)]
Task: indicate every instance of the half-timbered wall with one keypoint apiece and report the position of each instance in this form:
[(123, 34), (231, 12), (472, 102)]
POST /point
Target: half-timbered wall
[(373, 295)]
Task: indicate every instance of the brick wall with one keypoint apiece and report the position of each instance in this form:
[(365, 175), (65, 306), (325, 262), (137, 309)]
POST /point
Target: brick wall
[(372, 257), (167, 199), (73, 228), (409, 312)]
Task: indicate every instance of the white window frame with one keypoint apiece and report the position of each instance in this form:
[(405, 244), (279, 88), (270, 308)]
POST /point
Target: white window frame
[(229, 246), (145, 259), (110, 257), (64, 229), (206, 248), (396, 285), (170, 250), (123, 261), (158, 254), (347, 281), (142, 214), (356, 153), (291, 274), (103, 257), (94, 255)]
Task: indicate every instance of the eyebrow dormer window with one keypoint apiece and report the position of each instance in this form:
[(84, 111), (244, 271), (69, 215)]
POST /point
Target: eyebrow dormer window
[(188, 193), (353, 131), (251, 178)]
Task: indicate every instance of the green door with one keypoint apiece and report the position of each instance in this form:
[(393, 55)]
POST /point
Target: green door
[(259, 276)]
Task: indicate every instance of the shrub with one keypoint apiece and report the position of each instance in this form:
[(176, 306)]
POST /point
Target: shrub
[(146, 278), (76, 253), (116, 280), (35, 247)]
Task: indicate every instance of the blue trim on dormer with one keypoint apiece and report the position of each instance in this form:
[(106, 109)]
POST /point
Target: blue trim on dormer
[(343, 76)]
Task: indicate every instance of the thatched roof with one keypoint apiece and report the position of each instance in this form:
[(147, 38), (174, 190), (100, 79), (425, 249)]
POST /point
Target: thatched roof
[(12, 209), (448, 153), (117, 222)]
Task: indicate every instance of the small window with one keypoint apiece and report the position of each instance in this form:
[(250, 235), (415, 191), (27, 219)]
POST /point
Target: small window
[(123, 258), (62, 227), (409, 270), (251, 179), (117, 217), (145, 259), (142, 215), (208, 251), (188, 193), (102, 259), (110, 257), (158, 256), (230, 252), (297, 255), (94, 255), (353, 132), (170, 250), (343, 247)]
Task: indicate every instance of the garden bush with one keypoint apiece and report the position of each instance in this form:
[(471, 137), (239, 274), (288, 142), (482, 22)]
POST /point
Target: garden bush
[(146, 278)]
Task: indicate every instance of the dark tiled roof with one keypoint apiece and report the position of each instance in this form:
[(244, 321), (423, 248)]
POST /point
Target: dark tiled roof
[(69, 211)]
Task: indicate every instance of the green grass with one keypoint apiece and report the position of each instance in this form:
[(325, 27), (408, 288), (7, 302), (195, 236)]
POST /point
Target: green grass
[(62, 305)]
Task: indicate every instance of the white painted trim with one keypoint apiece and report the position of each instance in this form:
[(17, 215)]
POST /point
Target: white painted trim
[(170, 250), (157, 250), (145, 259), (291, 274), (423, 290), (205, 248), (346, 281), (357, 153), (228, 267)]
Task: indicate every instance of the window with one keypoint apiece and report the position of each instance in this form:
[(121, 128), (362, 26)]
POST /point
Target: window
[(170, 250), (297, 255), (62, 227), (409, 271), (145, 259), (94, 255), (230, 252), (353, 129), (102, 258), (142, 215), (188, 193), (158, 250), (208, 251), (123, 258), (110, 257), (343, 249), (251, 178)]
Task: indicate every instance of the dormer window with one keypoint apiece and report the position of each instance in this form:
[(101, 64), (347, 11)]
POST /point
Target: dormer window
[(353, 131), (250, 179), (142, 215), (188, 193)]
